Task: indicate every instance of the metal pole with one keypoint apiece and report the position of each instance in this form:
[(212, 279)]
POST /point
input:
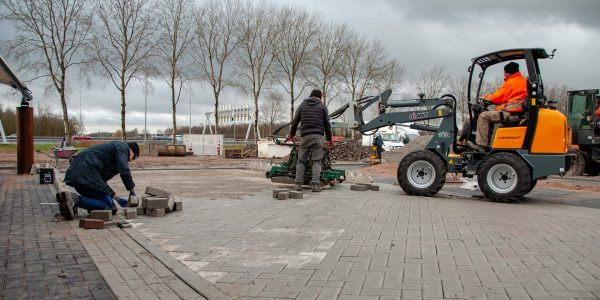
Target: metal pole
[(145, 111), (80, 117), (190, 109)]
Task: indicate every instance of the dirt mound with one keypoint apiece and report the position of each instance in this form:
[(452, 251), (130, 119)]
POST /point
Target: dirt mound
[(350, 150)]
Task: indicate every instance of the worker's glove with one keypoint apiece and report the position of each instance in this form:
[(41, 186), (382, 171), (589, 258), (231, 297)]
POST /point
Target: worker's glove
[(330, 145), (291, 138)]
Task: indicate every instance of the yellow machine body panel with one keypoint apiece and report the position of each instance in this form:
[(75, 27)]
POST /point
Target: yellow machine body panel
[(509, 138), (551, 133)]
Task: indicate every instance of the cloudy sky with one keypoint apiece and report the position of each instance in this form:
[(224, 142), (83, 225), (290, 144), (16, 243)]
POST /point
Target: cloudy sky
[(419, 34)]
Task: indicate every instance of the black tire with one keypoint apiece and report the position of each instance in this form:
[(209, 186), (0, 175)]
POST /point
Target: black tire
[(578, 165), (421, 173), (592, 168), (504, 177), (531, 186)]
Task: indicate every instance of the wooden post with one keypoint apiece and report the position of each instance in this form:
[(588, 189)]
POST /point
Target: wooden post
[(24, 139)]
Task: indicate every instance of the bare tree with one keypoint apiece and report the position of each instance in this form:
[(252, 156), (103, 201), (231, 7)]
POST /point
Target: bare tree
[(272, 109), (459, 88), (298, 29), (216, 40), (176, 21), (364, 64), (433, 83), (331, 42), (49, 40), (257, 52), (123, 40), (391, 75), (558, 92)]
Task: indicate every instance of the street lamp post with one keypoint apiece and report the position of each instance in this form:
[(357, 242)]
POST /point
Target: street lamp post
[(145, 111)]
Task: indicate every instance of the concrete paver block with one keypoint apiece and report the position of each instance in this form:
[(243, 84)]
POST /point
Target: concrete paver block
[(140, 211), (277, 191), (178, 206), (130, 213), (157, 192), (296, 195), (373, 187), (133, 201), (159, 212), (283, 195), (359, 187), (123, 224), (170, 204), (104, 215), (155, 203), (91, 224)]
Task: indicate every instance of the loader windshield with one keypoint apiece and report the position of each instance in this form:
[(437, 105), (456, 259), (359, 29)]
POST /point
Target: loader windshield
[(581, 111)]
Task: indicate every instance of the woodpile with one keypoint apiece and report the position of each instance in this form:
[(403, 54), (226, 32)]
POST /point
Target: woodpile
[(350, 150)]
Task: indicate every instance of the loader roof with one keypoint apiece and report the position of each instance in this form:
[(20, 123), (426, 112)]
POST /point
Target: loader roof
[(493, 58)]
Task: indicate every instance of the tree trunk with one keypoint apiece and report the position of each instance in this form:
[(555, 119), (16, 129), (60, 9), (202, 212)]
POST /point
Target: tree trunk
[(63, 102), (256, 118), (216, 111), (123, 131), (174, 104)]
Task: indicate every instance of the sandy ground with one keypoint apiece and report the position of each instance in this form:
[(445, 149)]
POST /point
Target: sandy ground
[(8, 159)]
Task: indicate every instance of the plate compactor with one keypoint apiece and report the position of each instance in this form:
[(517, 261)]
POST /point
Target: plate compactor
[(286, 172)]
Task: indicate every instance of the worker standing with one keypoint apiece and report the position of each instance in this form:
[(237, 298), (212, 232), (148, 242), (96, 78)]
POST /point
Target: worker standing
[(509, 99), (89, 173), (313, 118)]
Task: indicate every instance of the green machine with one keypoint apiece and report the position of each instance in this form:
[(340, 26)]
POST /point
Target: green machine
[(286, 172)]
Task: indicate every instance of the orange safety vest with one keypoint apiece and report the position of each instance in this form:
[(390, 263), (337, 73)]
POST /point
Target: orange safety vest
[(598, 112), (511, 95)]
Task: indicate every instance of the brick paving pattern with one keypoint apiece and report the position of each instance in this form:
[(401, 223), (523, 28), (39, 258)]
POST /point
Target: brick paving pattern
[(130, 270), (40, 258), (381, 245)]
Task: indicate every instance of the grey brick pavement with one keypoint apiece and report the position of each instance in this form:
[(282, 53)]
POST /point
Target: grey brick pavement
[(40, 258), (381, 245)]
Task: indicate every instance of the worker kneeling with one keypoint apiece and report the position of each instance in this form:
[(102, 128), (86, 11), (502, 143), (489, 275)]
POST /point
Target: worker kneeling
[(89, 173)]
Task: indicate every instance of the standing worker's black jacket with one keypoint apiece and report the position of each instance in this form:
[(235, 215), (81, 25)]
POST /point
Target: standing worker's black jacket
[(313, 118), (96, 165)]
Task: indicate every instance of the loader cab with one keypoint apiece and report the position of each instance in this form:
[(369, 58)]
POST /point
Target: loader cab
[(536, 128), (582, 115)]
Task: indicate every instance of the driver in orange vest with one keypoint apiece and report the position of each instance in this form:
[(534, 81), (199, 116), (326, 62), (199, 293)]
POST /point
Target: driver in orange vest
[(509, 98)]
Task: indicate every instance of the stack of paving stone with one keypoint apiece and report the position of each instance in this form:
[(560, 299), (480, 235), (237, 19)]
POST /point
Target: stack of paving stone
[(99, 219), (158, 202)]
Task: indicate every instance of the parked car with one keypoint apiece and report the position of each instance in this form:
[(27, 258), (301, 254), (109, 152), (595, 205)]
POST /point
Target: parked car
[(82, 137), (161, 137)]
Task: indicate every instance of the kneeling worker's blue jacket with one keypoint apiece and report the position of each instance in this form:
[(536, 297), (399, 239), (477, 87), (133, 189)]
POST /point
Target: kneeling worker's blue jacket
[(96, 165)]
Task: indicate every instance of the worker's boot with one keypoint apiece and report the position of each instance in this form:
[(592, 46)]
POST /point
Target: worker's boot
[(66, 204), (478, 148), (298, 186), (316, 187)]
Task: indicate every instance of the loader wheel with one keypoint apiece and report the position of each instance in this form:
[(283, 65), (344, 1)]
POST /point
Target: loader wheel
[(530, 188), (504, 177), (592, 168), (578, 166), (421, 173)]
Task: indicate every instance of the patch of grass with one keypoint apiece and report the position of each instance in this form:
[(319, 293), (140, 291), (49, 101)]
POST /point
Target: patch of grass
[(41, 147)]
